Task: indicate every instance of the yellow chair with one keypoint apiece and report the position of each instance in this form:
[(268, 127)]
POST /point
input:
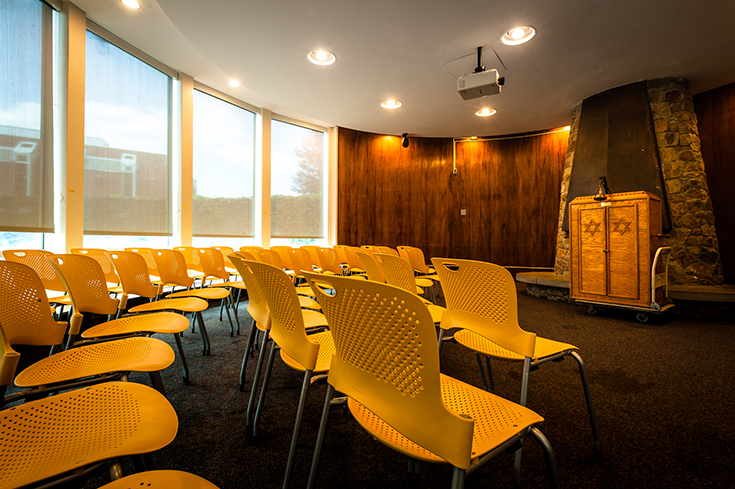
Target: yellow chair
[(482, 302), (258, 310), (113, 281), (172, 268), (213, 267), (341, 255), (78, 433), (284, 252), (132, 270), (25, 317), (147, 254), (227, 251), (398, 272), (36, 259), (329, 261), (193, 265), (253, 250), (371, 266), (314, 254), (386, 365), (387, 250), (426, 276), (354, 264), (310, 354), (161, 479)]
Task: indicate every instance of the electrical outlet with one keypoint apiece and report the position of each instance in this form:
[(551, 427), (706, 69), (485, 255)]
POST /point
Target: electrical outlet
[(463, 212)]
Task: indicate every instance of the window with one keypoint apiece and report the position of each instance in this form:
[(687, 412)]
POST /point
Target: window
[(127, 129), (224, 158), (297, 181), (26, 169)]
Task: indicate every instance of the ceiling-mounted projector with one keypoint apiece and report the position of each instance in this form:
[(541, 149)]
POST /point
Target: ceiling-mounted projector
[(479, 84)]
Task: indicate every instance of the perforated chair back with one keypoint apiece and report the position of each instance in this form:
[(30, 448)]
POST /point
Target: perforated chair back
[(301, 260), (247, 256), (171, 268), (8, 361), (386, 359), (271, 257), (257, 307), (226, 252), (352, 260), (284, 252), (374, 272), (341, 255), (24, 309), (415, 257), (397, 271), (313, 253), (387, 250), (213, 264), (133, 272), (370, 248), (253, 250), (36, 259), (329, 261), (287, 322), (101, 257), (191, 257), (482, 297), (147, 254), (85, 282)]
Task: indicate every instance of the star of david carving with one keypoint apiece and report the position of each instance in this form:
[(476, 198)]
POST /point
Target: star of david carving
[(592, 227), (622, 226)]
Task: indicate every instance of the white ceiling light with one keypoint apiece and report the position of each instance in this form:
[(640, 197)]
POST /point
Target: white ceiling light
[(391, 104), (322, 58), (131, 4), (518, 35), (234, 83), (486, 112)]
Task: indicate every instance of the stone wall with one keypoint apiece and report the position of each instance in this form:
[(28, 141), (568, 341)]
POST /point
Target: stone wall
[(693, 239)]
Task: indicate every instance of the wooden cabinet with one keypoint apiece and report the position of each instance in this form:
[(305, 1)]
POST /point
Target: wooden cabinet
[(612, 246)]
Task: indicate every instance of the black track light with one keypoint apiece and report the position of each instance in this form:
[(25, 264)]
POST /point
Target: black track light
[(404, 141)]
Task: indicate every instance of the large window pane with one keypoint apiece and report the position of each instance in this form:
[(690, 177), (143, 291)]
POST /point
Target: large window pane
[(26, 169), (297, 181), (224, 156), (127, 134)]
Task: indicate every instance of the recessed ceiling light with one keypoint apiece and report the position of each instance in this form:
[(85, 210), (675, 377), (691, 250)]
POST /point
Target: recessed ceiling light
[(391, 104), (518, 35), (322, 58), (131, 4), (485, 112), (234, 83)]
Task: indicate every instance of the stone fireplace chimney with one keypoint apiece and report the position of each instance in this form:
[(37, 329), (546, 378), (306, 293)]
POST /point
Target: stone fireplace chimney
[(692, 236)]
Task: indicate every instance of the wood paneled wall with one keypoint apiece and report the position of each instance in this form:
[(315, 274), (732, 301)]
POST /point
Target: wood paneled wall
[(716, 120), (391, 196)]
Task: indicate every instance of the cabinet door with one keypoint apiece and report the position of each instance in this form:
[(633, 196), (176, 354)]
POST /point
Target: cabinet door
[(592, 273), (623, 266)]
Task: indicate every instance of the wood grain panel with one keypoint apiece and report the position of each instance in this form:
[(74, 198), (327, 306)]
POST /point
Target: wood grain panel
[(716, 117), (391, 196)]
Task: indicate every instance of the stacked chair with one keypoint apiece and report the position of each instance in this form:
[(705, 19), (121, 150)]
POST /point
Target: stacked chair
[(482, 303), (387, 364), (36, 259)]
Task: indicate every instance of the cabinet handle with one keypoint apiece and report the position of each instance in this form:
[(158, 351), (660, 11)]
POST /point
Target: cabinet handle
[(606, 251)]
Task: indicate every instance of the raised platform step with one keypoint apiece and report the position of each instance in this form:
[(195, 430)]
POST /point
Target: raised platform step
[(699, 293)]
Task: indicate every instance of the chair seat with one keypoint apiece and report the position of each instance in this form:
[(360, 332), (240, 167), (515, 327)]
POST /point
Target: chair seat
[(163, 322), (235, 285), (161, 479), (206, 294), (305, 290), (324, 358), (544, 346), (68, 431), (313, 319), (436, 312), (59, 300), (308, 302), (140, 354), (182, 304), (497, 420), (424, 282)]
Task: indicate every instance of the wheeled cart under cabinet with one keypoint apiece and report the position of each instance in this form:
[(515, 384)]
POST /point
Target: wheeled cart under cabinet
[(616, 256)]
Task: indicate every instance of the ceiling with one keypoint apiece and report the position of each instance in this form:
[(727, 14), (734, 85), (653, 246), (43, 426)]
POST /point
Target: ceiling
[(414, 50)]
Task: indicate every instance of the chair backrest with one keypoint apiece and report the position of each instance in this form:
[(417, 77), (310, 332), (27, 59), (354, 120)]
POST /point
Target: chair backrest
[(86, 285), (271, 257), (226, 252), (352, 260), (191, 257), (133, 272), (415, 257), (374, 272), (213, 263), (397, 271), (253, 250), (287, 322), (370, 248), (284, 252), (386, 359), (387, 250), (36, 259), (482, 297), (257, 307), (147, 254), (172, 269), (301, 260), (341, 256), (8, 361), (248, 256), (314, 253), (100, 255), (328, 261), (24, 309)]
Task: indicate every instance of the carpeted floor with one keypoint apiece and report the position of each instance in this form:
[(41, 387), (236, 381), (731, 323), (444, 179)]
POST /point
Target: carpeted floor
[(663, 392)]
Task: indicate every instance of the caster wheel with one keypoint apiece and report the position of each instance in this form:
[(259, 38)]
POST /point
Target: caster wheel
[(592, 310), (642, 317)]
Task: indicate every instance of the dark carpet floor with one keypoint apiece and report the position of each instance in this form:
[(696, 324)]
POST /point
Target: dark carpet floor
[(663, 393)]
